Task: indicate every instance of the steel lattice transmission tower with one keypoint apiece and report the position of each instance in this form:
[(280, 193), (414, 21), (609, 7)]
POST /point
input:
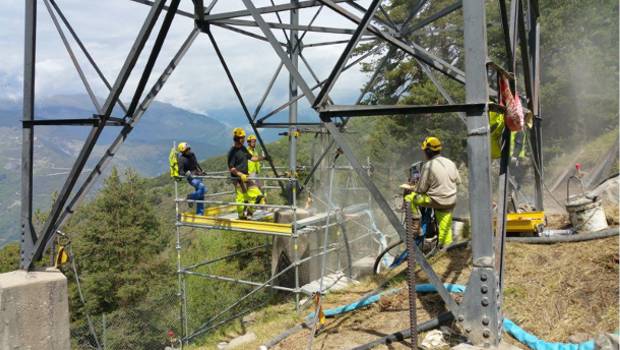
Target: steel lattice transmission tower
[(480, 311)]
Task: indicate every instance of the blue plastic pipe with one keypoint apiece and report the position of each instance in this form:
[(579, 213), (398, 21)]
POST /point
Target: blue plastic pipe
[(510, 327), (534, 343), (420, 288)]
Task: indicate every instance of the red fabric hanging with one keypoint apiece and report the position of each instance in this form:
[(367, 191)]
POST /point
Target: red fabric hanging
[(514, 117)]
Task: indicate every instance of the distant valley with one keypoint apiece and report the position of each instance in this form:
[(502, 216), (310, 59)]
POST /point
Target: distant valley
[(146, 150)]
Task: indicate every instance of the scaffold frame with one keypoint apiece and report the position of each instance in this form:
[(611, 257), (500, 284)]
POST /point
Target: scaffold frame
[(294, 230)]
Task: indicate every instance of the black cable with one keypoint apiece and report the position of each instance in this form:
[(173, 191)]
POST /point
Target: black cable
[(406, 333), (287, 333), (395, 244)]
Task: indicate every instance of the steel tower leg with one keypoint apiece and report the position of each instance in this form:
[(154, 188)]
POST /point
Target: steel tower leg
[(294, 49), (479, 313), (29, 237)]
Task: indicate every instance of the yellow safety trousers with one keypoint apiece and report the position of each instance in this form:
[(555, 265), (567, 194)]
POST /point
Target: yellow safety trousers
[(443, 217), (248, 196)]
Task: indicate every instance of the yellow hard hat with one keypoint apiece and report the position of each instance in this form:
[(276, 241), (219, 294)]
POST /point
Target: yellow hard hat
[(238, 132), (251, 137), (431, 143), (183, 146)]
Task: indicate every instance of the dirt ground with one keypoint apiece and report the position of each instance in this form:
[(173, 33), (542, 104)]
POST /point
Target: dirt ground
[(552, 291)]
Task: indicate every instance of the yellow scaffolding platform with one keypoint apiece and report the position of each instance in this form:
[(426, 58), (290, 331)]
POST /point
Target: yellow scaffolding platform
[(223, 223)]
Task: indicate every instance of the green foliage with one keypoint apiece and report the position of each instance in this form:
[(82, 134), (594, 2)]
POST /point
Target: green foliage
[(579, 83), (394, 142), (9, 257), (119, 233), (580, 70), (118, 246)]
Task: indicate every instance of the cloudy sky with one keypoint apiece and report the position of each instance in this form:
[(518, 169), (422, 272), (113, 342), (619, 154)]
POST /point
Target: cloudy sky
[(109, 27)]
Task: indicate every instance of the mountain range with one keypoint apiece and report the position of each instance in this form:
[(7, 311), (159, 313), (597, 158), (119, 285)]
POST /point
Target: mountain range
[(146, 149)]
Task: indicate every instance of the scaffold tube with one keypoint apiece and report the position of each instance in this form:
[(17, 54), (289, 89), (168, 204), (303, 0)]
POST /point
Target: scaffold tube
[(275, 206), (228, 177)]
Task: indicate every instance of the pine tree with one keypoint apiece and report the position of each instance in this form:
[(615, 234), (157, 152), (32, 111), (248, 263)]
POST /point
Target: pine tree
[(117, 243)]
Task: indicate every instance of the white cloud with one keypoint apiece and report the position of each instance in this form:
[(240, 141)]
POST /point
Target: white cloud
[(199, 83)]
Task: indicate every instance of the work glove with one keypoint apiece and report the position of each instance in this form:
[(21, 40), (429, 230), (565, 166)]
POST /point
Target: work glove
[(267, 158), (188, 174), (243, 177)]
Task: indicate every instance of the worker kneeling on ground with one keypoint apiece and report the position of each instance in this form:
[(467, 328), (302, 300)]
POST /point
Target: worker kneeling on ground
[(246, 190), (189, 167), (437, 188)]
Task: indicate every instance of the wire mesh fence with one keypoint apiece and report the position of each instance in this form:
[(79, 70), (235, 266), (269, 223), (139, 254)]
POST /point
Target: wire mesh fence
[(131, 328)]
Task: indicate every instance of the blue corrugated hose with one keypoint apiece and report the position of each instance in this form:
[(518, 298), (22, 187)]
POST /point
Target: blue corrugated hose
[(515, 331)]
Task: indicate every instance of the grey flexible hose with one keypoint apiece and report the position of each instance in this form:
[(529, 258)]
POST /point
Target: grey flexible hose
[(582, 237)]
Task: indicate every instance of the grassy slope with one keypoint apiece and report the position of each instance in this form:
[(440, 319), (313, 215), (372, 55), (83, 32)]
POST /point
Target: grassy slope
[(553, 291), (588, 154)]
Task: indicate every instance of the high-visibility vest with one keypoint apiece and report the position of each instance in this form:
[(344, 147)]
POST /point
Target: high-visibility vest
[(254, 167), (496, 124), (174, 163)]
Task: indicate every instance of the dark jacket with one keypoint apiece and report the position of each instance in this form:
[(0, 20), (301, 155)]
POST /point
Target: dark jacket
[(238, 159), (188, 162)]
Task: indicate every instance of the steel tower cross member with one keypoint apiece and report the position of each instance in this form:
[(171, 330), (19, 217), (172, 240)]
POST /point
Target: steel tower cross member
[(29, 237), (49, 229), (344, 57), (293, 71), (122, 136), (294, 49), (479, 312)]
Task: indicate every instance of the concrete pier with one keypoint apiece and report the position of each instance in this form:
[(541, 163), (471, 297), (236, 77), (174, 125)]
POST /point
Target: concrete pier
[(34, 311)]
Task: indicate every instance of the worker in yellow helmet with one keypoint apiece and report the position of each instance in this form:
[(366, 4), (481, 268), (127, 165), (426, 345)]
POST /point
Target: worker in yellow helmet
[(189, 167), (254, 167), (436, 188), (246, 190)]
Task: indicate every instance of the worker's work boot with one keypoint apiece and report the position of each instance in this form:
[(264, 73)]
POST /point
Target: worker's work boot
[(246, 212), (189, 198)]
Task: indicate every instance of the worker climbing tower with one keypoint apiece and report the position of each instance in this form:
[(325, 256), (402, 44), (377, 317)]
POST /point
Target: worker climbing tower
[(480, 312)]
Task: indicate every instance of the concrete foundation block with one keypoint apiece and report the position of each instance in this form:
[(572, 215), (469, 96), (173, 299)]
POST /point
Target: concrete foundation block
[(34, 311)]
